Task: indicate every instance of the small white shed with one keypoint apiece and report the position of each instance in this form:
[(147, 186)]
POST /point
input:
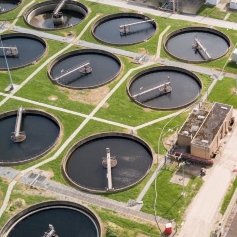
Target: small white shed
[(233, 4), (212, 2), (234, 56)]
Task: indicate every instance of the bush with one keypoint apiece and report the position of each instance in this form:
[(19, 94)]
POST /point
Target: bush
[(111, 232)]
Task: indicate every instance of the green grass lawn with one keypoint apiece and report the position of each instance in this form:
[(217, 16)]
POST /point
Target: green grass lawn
[(3, 190), (232, 17), (126, 227), (170, 203), (211, 11), (223, 92), (151, 133)]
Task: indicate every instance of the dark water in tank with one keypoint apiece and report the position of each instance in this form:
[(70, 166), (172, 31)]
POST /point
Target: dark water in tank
[(7, 5), (180, 45), (44, 20), (185, 89), (86, 169), (108, 31), (67, 223), (41, 133), (29, 50), (104, 68)]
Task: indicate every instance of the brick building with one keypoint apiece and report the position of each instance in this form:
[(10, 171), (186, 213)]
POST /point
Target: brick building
[(204, 129)]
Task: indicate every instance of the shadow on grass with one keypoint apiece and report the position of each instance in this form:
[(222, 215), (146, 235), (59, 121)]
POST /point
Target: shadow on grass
[(229, 98), (232, 65), (204, 8), (172, 205)]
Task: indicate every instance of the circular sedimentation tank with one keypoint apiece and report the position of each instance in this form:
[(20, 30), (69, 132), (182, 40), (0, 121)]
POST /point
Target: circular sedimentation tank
[(86, 68), (85, 165), (197, 44), (45, 15), (63, 217), (21, 50), (9, 5), (38, 133), (164, 88), (124, 29)]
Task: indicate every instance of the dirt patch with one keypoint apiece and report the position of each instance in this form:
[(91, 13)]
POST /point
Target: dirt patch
[(88, 96), (53, 97), (233, 90), (147, 110), (16, 205), (169, 141)]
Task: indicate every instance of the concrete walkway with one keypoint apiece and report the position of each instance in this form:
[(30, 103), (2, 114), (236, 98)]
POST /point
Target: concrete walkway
[(160, 41), (65, 192), (7, 197)]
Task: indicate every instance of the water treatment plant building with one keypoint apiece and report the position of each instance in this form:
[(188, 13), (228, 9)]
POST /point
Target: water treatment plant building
[(204, 129)]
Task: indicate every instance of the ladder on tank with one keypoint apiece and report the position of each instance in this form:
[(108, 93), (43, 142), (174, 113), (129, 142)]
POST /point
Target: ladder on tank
[(50, 232), (17, 135), (125, 29), (83, 68), (10, 51), (57, 15), (197, 45)]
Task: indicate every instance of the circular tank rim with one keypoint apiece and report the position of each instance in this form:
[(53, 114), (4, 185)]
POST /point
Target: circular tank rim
[(160, 68), (11, 35), (19, 3), (102, 135), (42, 4), (43, 205), (82, 51), (118, 15), (195, 28), (37, 112)]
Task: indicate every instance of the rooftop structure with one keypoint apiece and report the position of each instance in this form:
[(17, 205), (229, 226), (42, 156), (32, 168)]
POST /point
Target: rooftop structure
[(193, 122), (212, 124)]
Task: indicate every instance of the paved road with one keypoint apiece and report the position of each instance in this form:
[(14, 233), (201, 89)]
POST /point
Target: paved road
[(202, 214)]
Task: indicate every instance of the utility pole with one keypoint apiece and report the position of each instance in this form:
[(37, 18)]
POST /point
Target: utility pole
[(174, 8)]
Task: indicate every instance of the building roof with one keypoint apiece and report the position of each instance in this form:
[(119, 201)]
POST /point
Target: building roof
[(193, 122), (211, 124)]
